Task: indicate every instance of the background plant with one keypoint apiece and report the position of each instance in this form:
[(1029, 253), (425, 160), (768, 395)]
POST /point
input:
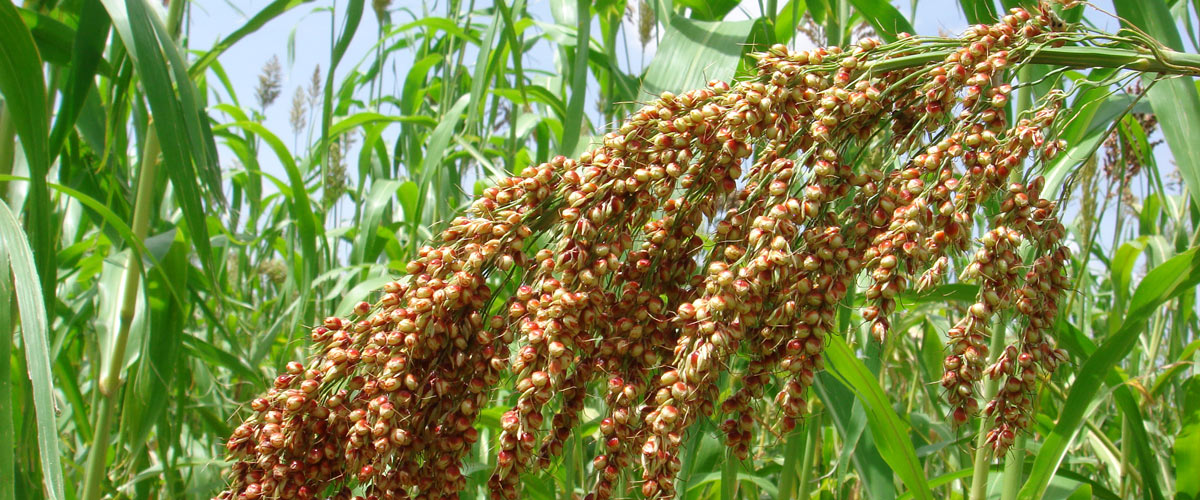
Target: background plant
[(152, 269)]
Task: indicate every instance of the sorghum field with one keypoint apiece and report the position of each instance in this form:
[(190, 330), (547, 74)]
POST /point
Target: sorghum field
[(587, 250)]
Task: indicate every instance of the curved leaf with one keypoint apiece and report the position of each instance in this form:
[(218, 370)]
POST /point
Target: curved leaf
[(271, 11), (890, 432), (886, 19), (1165, 282)]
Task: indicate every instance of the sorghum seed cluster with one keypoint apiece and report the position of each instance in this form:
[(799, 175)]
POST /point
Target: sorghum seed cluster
[(631, 302)]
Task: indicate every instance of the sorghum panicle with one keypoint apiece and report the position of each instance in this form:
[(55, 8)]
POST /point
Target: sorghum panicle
[(629, 299)]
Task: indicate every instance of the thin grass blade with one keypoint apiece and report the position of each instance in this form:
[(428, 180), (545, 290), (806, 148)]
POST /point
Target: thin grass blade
[(24, 93), (35, 336), (8, 447), (271, 11)]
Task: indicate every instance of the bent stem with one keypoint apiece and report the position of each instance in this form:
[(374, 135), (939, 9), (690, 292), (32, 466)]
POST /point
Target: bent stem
[(110, 375)]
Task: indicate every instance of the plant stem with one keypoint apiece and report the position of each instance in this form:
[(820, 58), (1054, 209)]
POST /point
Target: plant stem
[(793, 449), (1014, 474), (810, 450), (729, 476), (110, 375), (8, 145), (982, 451), (1170, 62), (1013, 470)]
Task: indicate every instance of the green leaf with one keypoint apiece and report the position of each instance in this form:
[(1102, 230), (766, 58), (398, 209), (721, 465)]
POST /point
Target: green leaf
[(1186, 451), (788, 20), (940, 294), (1139, 440), (86, 55), (438, 141), (1122, 275), (53, 38), (380, 196), (301, 205), (979, 11), (35, 337), (366, 118), (858, 444), (176, 115), (1182, 363), (890, 432), (1092, 114), (887, 21), (155, 370), (354, 12), (1165, 282), (741, 477), (693, 52), (412, 93), (24, 94), (8, 445), (1080, 346), (708, 10), (482, 74)]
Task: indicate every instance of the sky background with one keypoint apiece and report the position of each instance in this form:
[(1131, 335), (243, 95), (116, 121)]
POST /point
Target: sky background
[(301, 39)]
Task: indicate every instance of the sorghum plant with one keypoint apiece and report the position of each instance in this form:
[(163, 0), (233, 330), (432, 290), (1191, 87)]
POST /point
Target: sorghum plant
[(716, 233)]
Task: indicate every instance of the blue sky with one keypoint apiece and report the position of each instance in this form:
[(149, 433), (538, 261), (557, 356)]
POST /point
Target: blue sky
[(301, 39), (307, 30)]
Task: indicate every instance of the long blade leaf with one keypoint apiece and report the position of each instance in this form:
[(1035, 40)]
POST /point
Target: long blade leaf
[(35, 337)]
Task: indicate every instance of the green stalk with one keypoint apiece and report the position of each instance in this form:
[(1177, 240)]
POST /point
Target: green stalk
[(110, 376), (1014, 469), (982, 453), (1014, 461), (810, 450), (1168, 61), (8, 145), (793, 448), (729, 476)]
